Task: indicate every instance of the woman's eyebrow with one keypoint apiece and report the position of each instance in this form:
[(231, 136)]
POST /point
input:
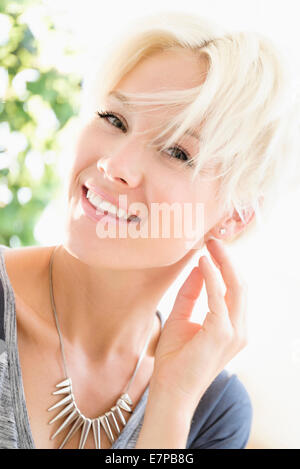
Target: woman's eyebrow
[(192, 133), (121, 97)]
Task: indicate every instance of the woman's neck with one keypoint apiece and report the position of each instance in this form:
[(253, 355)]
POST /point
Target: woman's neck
[(107, 312)]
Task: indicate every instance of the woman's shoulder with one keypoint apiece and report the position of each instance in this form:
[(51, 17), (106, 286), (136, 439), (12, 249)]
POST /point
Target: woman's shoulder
[(24, 263), (24, 253), (24, 272)]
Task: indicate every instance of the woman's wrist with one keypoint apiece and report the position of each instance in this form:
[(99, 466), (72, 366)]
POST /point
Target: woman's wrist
[(164, 427), (175, 397), (167, 420)]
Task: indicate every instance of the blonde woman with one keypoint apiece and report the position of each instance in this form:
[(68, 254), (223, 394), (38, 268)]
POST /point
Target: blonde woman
[(182, 113)]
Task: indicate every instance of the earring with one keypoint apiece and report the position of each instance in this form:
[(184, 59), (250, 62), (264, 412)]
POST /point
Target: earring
[(222, 231)]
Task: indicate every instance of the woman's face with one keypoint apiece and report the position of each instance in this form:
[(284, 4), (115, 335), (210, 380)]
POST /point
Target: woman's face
[(114, 156)]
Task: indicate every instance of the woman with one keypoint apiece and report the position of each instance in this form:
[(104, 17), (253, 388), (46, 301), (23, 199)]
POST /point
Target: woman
[(181, 113)]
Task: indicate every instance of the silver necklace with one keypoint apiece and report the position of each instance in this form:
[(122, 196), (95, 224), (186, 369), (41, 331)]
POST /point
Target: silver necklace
[(70, 411)]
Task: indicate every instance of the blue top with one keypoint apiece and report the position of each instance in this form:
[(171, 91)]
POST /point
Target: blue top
[(221, 420)]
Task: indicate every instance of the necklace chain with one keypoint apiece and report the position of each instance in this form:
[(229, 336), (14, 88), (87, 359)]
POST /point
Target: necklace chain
[(71, 411)]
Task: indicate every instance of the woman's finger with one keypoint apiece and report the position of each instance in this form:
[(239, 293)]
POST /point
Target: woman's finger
[(215, 296), (187, 296), (236, 292)]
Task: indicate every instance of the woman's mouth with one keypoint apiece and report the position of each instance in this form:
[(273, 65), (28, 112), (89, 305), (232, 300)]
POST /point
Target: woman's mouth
[(91, 205)]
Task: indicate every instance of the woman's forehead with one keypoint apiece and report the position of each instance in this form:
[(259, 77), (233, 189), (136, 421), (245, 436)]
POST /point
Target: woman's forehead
[(165, 70)]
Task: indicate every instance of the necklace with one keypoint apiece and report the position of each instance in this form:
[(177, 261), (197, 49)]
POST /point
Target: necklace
[(71, 412)]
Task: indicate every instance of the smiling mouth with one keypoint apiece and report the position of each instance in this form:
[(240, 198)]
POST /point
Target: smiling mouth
[(131, 218)]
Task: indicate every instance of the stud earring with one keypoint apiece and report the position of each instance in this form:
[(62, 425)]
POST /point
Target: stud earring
[(222, 231)]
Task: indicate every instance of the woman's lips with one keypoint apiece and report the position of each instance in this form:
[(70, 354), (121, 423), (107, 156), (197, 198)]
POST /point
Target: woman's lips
[(96, 213)]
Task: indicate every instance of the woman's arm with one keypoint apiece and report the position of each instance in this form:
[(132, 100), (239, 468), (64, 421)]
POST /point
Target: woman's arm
[(166, 422), (189, 356)]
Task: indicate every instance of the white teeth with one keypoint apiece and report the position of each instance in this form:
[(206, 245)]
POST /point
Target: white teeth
[(108, 206), (103, 205), (122, 213)]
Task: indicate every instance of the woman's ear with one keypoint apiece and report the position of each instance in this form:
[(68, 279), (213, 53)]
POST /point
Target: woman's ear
[(235, 225), (231, 225)]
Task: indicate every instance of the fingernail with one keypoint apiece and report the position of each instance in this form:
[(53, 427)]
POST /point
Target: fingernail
[(204, 259), (211, 239), (220, 241)]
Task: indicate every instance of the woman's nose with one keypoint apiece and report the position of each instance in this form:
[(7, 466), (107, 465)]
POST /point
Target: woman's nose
[(124, 164)]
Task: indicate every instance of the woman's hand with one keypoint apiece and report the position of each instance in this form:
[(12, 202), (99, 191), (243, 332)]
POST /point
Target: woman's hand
[(189, 356)]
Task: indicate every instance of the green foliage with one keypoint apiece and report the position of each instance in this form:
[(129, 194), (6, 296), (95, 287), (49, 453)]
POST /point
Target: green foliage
[(48, 90)]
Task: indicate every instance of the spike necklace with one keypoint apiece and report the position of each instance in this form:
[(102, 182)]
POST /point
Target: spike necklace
[(71, 413)]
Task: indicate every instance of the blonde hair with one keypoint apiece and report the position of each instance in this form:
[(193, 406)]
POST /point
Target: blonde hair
[(249, 122)]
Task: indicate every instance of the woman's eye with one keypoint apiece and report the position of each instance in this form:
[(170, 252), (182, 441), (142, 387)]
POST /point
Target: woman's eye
[(178, 153), (113, 119)]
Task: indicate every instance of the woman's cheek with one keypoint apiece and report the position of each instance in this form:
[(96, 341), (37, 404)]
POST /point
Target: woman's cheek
[(87, 150)]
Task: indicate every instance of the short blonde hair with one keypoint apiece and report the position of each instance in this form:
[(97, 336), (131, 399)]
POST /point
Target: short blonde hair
[(249, 127)]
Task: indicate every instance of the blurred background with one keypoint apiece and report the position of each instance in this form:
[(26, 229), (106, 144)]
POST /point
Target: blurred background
[(46, 48)]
